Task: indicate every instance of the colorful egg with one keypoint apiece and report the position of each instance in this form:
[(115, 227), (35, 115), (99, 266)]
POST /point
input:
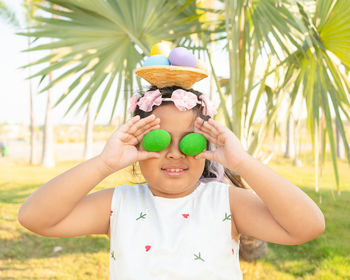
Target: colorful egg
[(156, 60), (156, 140), (162, 48), (182, 57), (193, 144)]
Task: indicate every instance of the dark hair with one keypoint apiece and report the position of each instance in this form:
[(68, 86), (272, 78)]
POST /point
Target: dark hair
[(212, 170)]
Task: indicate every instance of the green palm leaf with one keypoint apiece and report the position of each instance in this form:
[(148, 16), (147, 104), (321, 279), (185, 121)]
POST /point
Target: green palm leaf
[(323, 86), (8, 15), (104, 41), (335, 30), (302, 41)]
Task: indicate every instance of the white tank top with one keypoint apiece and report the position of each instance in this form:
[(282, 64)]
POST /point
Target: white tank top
[(161, 238)]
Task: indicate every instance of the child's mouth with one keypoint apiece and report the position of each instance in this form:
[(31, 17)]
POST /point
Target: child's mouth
[(174, 172)]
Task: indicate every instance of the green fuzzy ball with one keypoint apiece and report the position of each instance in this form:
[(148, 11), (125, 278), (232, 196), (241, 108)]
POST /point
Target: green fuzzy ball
[(156, 140), (193, 144)]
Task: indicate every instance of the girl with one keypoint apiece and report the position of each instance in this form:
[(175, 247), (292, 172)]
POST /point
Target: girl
[(186, 221)]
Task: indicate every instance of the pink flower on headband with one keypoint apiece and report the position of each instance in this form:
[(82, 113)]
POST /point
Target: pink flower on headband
[(211, 110), (183, 100), (133, 103), (150, 98)]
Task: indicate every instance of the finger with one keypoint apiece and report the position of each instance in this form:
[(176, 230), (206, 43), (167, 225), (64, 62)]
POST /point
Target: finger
[(211, 139), (135, 122), (146, 128), (141, 124), (218, 126), (209, 155), (132, 121), (206, 131), (212, 125), (133, 134), (143, 155), (141, 135), (133, 139), (206, 127)]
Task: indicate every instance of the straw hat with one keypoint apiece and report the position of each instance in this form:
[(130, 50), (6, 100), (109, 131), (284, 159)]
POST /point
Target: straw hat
[(164, 75)]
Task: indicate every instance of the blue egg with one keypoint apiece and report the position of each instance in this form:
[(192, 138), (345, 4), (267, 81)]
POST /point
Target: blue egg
[(157, 59)]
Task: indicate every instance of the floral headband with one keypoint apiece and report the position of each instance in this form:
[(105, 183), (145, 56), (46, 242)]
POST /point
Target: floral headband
[(183, 100)]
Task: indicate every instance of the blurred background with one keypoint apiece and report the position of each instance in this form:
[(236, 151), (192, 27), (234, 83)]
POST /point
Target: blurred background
[(278, 74)]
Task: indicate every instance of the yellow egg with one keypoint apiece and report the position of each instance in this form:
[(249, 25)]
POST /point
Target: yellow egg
[(162, 48)]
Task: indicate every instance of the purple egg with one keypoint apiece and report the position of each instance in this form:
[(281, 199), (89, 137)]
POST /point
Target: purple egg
[(182, 57)]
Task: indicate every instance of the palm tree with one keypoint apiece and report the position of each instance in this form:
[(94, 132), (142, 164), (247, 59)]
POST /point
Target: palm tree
[(106, 41), (304, 52)]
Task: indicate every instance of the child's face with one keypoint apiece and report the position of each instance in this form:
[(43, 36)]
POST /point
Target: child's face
[(161, 180)]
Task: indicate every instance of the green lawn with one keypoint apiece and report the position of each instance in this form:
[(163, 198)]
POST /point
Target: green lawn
[(24, 255)]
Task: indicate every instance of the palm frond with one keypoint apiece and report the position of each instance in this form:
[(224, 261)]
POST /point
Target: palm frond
[(8, 15), (103, 40)]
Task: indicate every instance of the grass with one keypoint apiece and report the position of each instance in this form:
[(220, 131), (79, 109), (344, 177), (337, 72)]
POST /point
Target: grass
[(24, 255)]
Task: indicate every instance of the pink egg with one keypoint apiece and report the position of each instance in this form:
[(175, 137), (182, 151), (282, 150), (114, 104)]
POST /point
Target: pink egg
[(182, 57)]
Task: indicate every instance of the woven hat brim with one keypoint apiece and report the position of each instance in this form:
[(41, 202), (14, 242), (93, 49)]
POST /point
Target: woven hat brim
[(166, 76)]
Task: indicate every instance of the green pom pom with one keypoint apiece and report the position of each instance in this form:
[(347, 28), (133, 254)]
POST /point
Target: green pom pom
[(193, 144), (156, 140)]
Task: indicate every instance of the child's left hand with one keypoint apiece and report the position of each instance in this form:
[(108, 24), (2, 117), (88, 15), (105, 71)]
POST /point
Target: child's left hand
[(229, 151)]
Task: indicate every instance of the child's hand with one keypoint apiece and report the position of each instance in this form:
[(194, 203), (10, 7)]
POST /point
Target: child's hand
[(229, 151), (121, 151)]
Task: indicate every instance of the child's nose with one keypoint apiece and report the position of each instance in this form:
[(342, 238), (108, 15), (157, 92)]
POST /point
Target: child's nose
[(173, 150)]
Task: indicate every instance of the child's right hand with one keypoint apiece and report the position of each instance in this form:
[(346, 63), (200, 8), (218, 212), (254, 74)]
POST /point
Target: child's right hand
[(121, 151)]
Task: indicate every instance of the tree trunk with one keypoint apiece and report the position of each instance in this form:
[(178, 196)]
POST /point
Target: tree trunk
[(89, 126), (297, 144), (252, 248), (340, 144), (48, 159), (32, 155), (290, 148)]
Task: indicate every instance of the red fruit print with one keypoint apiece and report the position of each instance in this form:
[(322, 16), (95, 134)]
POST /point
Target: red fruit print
[(111, 213), (148, 247), (185, 215), (233, 251)]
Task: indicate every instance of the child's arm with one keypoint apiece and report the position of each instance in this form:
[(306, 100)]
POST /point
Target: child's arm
[(62, 207), (279, 212)]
